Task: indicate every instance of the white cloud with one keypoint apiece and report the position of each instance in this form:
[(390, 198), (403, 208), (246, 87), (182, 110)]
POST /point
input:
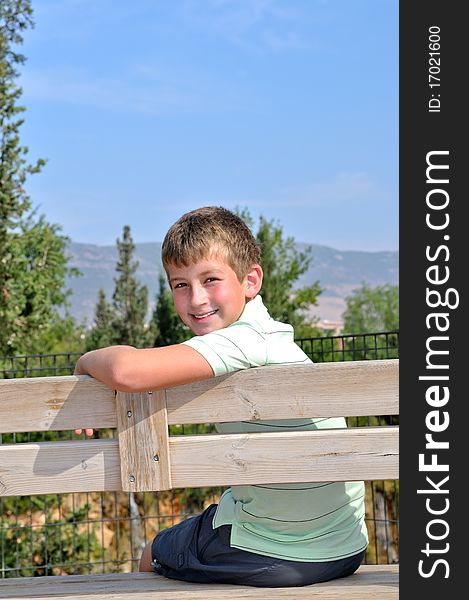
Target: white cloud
[(141, 90), (344, 188), (289, 40), (258, 25), (76, 20)]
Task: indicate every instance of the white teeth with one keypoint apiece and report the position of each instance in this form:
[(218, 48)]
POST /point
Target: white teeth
[(205, 315)]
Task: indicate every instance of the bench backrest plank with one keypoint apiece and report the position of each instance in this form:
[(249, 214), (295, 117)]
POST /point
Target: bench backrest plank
[(54, 467), (201, 461), (55, 404), (145, 458), (287, 457), (356, 388)]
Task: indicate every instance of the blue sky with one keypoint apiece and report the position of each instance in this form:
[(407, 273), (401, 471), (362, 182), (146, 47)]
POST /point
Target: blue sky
[(150, 108)]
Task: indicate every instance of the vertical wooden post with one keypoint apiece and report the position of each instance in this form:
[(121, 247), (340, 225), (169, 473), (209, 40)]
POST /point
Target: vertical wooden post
[(142, 424)]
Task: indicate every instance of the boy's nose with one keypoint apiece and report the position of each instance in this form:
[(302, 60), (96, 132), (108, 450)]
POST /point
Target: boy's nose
[(198, 295)]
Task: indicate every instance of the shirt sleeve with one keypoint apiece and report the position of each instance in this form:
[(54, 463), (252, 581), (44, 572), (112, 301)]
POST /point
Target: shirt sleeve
[(231, 349)]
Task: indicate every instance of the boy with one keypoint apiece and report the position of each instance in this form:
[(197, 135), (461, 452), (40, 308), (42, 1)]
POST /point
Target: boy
[(261, 535)]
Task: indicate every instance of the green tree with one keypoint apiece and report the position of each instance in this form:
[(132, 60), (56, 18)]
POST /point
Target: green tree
[(67, 543), (130, 299), (102, 333), (283, 264), (33, 264), (372, 309), (166, 326), (123, 320)]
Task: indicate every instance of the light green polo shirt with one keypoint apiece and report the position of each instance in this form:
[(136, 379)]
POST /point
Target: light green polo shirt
[(308, 522)]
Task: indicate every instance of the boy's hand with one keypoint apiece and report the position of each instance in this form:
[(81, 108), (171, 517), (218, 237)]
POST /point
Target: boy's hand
[(88, 432), (129, 369), (80, 370)]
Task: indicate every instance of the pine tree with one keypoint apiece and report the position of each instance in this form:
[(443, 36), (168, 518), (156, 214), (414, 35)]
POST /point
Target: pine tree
[(102, 333), (130, 299), (33, 264), (166, 326)]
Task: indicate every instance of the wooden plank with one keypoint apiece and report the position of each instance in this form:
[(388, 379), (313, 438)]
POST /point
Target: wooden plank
[(287, 457), (143, 441), (352, 388), (55, 404), (370, 582), (53, 467), (207, 460), (296, 391)]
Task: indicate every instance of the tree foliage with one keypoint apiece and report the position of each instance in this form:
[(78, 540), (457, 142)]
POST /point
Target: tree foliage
[(130, 299), (167, 327), (283, 264), (33, 261), (372, 309), (124, 320), (69, 544), (102, 333)]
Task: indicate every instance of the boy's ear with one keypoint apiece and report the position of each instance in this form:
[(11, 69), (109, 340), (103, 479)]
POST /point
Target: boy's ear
[(254, 281)]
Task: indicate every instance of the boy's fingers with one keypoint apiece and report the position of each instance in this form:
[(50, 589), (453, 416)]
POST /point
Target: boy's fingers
[(88, 432)]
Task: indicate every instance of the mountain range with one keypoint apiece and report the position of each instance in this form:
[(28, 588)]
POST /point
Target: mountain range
[(338, 273)]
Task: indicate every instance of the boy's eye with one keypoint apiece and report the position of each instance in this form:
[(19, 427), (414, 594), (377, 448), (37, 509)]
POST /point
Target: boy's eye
[(178, 286), (211, 279)]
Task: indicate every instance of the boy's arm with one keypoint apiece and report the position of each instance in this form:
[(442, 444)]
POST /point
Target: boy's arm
[(129, 369)]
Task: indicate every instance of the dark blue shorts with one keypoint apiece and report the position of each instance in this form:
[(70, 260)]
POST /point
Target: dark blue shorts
[(194, 551)]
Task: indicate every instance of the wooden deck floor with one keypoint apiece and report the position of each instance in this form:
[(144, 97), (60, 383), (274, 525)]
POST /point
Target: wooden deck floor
[(373, 582)]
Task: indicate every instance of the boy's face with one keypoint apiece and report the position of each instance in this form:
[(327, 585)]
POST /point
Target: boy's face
[(208, 295)]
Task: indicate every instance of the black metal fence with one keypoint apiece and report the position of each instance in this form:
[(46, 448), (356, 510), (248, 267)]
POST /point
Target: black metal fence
[(106, 532), (363, 346), (38, 365)]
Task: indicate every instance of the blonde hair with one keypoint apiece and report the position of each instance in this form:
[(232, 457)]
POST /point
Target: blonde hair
[(211, 230)]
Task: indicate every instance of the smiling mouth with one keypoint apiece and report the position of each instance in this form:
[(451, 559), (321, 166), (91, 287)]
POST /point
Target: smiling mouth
[(204, 315)]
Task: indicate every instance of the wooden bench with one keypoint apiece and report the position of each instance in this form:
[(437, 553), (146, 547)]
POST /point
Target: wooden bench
[(145, 458)]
